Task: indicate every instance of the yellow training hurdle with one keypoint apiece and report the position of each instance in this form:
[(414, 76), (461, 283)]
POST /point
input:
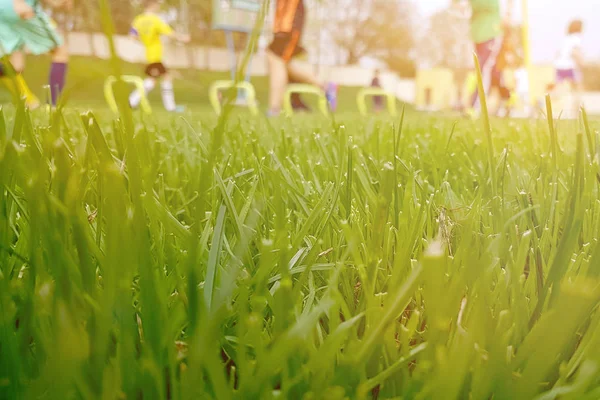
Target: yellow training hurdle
[(216, 87), (134, 80)]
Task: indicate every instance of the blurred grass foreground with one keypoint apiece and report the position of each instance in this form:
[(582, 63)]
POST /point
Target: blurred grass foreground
[(171, 258)]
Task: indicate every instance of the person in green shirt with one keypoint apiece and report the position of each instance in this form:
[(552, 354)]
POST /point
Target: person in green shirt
[(487, 34), (486, 21)]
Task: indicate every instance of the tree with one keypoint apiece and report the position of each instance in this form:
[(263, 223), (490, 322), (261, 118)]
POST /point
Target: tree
[(85, 16), (200, 18), (377, 28), (391, 27), (446, 43)]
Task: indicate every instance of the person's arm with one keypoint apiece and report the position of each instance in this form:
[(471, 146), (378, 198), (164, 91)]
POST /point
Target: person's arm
[(166, 30), (181, 37), (23, 10)]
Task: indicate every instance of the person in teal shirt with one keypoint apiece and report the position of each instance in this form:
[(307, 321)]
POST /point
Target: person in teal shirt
[(25, 26)]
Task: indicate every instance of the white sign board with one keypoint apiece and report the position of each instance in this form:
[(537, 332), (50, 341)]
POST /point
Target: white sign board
[(235, 15)]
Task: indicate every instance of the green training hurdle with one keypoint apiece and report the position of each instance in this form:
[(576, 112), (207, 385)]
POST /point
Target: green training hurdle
[(216, 87), (361, 100), (138, 82), (302, 88)]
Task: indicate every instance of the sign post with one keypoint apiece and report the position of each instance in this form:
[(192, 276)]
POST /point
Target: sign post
[(236, 16)]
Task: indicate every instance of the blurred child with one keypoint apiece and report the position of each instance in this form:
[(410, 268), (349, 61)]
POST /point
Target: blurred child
[(285, 47), (486, 34), (570, 57), (569, 61), (508, 59), (377, 100), (492, 45), (148, 28), (23, 24)]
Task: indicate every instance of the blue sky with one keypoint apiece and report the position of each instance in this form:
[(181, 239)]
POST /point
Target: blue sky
[(548, 20)]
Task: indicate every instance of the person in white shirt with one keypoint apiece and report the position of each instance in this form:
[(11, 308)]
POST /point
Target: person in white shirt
[(570, 57), (568, 70)]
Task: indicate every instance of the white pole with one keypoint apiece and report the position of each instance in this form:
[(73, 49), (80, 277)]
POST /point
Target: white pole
[(527, 46)]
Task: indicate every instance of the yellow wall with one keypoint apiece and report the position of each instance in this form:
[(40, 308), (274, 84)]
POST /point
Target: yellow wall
[(440, 83), (539, 79), (443, 88)]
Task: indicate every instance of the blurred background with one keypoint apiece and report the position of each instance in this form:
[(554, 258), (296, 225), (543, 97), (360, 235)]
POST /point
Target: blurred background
[(415, 43), (343, 31)]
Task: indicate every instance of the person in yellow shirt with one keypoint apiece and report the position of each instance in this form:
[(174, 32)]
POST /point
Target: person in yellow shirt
[(149, 28)]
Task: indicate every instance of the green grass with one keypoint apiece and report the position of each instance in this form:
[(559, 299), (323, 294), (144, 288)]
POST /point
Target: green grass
[(182, 258)]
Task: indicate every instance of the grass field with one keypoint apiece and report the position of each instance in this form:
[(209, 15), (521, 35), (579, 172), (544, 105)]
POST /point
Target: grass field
[(185, 257)]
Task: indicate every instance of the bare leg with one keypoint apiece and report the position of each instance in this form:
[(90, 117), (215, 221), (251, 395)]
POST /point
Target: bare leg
[(17, 59), (58, 72), (577, 100), (136, 96), (278, 79), (561, 96), (168, 96), (300, 73), (60, 55)]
